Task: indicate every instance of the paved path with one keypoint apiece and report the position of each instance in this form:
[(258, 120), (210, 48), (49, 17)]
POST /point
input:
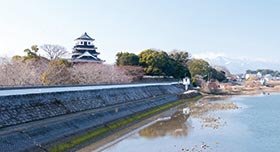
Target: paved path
[(80, 88)]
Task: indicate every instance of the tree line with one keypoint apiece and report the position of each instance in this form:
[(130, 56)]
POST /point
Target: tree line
[(176, 63), (274, 73), (157, 62), (34, 69)]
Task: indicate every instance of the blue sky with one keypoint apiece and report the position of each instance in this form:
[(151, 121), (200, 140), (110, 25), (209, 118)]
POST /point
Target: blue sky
[(234, 28)]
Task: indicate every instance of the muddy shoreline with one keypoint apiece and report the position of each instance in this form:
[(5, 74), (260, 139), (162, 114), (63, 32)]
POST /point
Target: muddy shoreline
[(103, 143), (197, 111)]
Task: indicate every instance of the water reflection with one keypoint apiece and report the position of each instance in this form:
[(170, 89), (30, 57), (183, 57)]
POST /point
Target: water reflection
[(177, 126), (180, 132)]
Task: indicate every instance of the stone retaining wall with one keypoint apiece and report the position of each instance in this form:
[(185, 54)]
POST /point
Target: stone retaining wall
[(88, 110), (25, 108), (38, 137)]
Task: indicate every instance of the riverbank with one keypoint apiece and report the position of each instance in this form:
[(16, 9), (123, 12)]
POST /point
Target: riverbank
[(247, 88), (117, 136), (43, 121), (112, 128), (177, 127), (199, 110), (200, 107)]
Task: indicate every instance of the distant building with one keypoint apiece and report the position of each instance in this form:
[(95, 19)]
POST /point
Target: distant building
[(85, 51), (251, 76)]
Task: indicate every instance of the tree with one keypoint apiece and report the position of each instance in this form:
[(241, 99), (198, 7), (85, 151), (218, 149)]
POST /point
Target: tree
[(180, 56), (160, 63), (136, 72), (154, 62), (264, 72), (32, 53), (202, 68), (199, 67), (180, 71), (276, 73), (89, 73), (54, 51), (57, 73), (218, 75), (22, 71), (127, 59), (180, 59)]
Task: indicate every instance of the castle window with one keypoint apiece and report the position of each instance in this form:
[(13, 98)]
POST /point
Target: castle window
[(88, 42), (81, 42)]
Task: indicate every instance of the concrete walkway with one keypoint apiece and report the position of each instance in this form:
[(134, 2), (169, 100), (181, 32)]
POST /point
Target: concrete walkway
[(11, 92)]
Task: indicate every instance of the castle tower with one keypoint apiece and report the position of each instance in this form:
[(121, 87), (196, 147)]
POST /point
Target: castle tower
[(84, 50)]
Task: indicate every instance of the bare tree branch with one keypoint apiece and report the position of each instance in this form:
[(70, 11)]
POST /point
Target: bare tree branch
[(54, 51)]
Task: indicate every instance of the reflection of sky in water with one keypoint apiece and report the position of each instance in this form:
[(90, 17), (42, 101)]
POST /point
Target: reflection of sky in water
[(254, 127)]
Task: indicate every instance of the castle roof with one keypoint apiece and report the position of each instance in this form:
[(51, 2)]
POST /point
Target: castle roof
[(85, 37), (88, 55)]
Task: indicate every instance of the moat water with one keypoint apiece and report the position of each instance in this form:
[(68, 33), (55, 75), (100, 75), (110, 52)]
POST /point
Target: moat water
[(253, 127)]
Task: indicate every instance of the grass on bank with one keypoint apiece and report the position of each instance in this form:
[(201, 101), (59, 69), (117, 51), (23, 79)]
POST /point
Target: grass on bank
[(79, 140)]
